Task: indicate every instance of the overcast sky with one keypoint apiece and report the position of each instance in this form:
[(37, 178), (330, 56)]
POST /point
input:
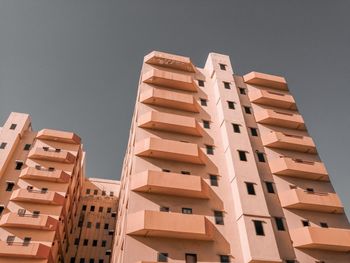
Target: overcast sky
[(74, 65)]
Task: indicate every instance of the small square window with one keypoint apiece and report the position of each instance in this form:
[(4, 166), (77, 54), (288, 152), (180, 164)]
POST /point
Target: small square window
[(224, 259), (206, 124), (98, 225), (269, 187), (231, 105), (250, 188), (164, 209), (103, 243), (305, 223), (92, 260), (108, 252), (100, 209), (9, 186), (106, 226), (204, 102), (13, 126), (254, 132), (236, 128), (3, 145), (72, 260), (111, 193), (83, 208), (279, 224), (27, 147), (227, 85), (186, 210), (95, 192), (82, 260), (103, 193), (210, 149), (324, 225), (222, 66), (76, 241), (261, 157), (213, 180), (242, 91), (242, 156), (100, 261), (259, 228), (10, 240), (88, 191), (36, 214), (19, 165), (26, 241), (162, 257), (114, 214), (310, 190), (94, 243), (247, 110), (201, 83), (109, 209), (88, 225), (85, 242), (92, 208), (219, 217)]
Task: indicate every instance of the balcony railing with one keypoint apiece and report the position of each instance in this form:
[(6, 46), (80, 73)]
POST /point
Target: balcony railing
[(169, 61), (37, 196), (58, 136), (24, 250), (53, 155), (272, 98), (286, 141), (32, 173), (170, 80), (169, 99), (170, 123), (298, 168), (170, 225), (311, 201), (280, 118), (157, 182), (330, 239), (33, 221), (262, 79)]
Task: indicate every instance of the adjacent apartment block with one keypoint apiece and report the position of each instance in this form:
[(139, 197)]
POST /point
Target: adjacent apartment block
[(44, 198), (221, 168)]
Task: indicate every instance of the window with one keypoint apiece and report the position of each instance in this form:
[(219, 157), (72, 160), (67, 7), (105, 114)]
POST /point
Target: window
[(210, 149), (110, 232), (305, 223), (310, 190), (9, 186), (27, 147), (26, 241), (166, 170), (72, 260), (231, 105), (185, 172), (227, 85), (80, 223), (247, 110), (259, 228), (162, 257), (92, 260), (103, 243), (114, 214), (106, 226), (92, 208), (204, 102), (103, 193), (100, 261), (109, 209), (35, 213), (186, 210), (21, 212), (51, 169), (279, 224), (242, 156), (224, 259), (88, 191), (82, 260), (164, 209), (100, 209), (236, 128), (88, 225), (108, 252), (242, 91), (111, 193), (19, 165), (290, 261), (250, 188), (98, 225), (206, 124), (10, 240), (83, 208), (76, 241), (3, 145), (85, 242), (201, 83), (44, 190), (219, 217), (324, 225), (95, 192), (254, 132), (13, 126), (222, 66), (94, 243), (191, 258), (213, 180), (2, 207), (269, 187), (261, 156)]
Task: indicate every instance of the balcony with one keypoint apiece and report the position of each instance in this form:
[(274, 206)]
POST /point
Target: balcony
[(169, 61), (156, 182), (170, 123), (331, 239), (266, 80), (170, 225), (170, 79), (20, 250), (57, 176), (42, 222), (311, 201), (52, 155), (298, 168), (281, 140), (272, 98), (170, 150), (169, 99), (37, 196), (58, 136), (280, 118)]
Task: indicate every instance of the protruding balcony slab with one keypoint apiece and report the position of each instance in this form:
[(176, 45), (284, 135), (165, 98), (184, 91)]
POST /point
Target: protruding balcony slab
[(262, 79), (58, 136), (170, 225), (170, 79), (52, 155), (37, 196), (43, 222), (157, 182), (311, 201), (32, 173), (169, 61), (18, 250), (280, 118), (170, 150), (170, 123), (272, 98), (286, 141), (298, 168), (332, 239), (169, 99)]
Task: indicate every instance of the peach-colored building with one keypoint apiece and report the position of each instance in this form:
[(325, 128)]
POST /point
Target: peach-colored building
[(43, 190), (221, 168)]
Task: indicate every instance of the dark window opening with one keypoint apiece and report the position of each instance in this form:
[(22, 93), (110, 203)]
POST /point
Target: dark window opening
[(222, 66), (10, 186), (13, 126), (164, 209), (242, 91), (3, 145), (231, 105), (19, 165), (213, 180), (219, 217), (270, 188), (324, 225), (254, 132), (236, 128), (191, 258), (259, 228), (210, 149), (162, 257), (227, 85), (204, 102), (250, 188), (242, 155), (247, 110), (27, 147), (185, 172), (261, 157), (186, 210), (201, 83), (305, 223), (279, 224), (224, 259), (206, 124)]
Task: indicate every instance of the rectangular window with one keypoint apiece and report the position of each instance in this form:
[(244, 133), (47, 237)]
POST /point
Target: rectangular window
[(227, 85), (242, 91), (106, 226), (2, 207), (222, 66), (10, 240), (164, 209), (292, 261), (236, 128), (210, 149), (92, 208), (88, 225), (9, 186), (254, 132), (185, 172), (310, 190), (213, 180), (231, 105), (242, 156), (3, 145), (100, 261), (206, 124), (109, 209), (162, 257), (247, 110), (191, 258), (204, 102), (82, 260), (261, 157), (88, 191), (201, 83), (103, 243), (224, 259), (72, 260), (13, 126), (279, 224), (166, 170), (324, 225), (259, 228), (103, 193), (98, 225), (83, 208), (92, 260), (95, 192), (51, 169), (219, 217), (76, 241), (269, 187), (35, 213), (114, 214), (305, 223), (27, 147), (19, 165), (94, 243), (186, 210), (26, 241), (21, 212), (100, 209), (250, 188), (85, 242)]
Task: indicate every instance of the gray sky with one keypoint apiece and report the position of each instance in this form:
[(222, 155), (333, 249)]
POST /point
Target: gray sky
[(74, 65)]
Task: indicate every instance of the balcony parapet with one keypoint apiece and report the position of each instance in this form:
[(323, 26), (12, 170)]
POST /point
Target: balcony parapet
[(169, 61)]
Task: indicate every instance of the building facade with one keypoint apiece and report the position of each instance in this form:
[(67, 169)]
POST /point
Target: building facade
[(221, 168)]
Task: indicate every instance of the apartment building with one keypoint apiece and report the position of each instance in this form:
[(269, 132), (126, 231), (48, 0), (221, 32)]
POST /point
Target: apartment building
[(221, 168)]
